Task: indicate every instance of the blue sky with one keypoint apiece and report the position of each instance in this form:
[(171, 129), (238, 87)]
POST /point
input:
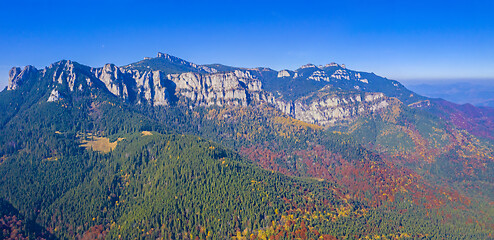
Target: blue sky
[(402, 40)]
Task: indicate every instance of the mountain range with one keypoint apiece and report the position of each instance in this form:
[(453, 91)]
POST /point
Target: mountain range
[(165, 148), (477, 93)]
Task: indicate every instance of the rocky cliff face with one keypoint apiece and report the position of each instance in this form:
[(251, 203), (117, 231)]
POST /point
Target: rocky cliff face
[(54, 96), (230, 88), (17, 76), (330, 109), (153, 87), (113, 78), (204, 86), (64, 73), (149, 87)]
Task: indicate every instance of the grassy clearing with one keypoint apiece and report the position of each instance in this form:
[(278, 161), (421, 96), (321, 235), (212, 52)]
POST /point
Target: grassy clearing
[(51, 159), (146, 133), (100, 144)]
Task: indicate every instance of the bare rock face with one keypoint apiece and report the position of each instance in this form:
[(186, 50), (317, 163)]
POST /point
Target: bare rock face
[(319, 76), (65, 74), (150, 87), (283, 73), (13, 78), (333, 108), (54, 96), (18, 77), (147, 86), (309, 65), (231, 88), (113, 79)]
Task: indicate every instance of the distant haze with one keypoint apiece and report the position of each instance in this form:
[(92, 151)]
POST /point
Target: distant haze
[(479, 92)]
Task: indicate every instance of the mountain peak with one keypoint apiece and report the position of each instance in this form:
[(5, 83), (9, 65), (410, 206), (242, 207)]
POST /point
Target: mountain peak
[(308, 65), (176, 60), (164, 55), (172, 58), (160, 54), (169, 64), (17, 76), (333, 64)]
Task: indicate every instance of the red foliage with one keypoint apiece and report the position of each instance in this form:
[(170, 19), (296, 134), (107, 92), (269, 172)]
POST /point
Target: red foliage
[(383, 179), (95, 232), (477, 121)]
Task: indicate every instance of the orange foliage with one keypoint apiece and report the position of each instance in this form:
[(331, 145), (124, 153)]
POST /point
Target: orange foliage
[(383, 180)]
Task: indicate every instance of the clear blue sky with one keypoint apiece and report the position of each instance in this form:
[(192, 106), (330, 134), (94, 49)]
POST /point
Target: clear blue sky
[(398, 39)]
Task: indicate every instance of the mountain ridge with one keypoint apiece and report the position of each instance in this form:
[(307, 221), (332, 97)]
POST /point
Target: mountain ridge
[(164, 79)]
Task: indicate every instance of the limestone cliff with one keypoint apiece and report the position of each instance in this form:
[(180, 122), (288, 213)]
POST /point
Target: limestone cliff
[(230, 88), (17, 76), (330, 109), (113, 79)]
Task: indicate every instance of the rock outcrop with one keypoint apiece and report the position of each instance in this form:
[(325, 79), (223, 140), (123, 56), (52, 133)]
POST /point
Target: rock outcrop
[(150, 87), (319, 76), (63, 73), (54, 96), (283, 73), (113, 79), (328, 110), (180, 61), (17, 76), (231, 88)]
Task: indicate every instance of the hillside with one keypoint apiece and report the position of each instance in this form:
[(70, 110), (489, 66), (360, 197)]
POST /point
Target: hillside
[(167, 148)]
